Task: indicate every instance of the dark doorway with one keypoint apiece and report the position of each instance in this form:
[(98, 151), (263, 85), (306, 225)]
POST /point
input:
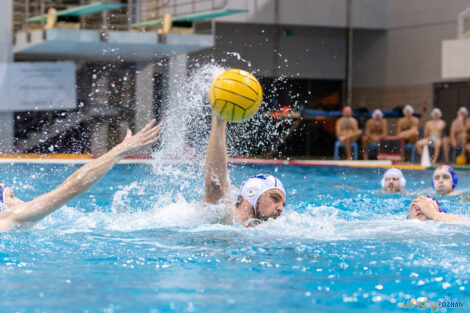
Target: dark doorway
[(449, 97)]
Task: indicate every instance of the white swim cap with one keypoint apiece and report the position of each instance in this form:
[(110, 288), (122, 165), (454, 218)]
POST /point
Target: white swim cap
[(377, 112), (463, 110), (254, 187), (436, 110), (409, 108), (395, 172)]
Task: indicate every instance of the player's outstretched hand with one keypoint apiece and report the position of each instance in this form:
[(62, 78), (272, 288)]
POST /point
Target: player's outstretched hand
[(144, 138)]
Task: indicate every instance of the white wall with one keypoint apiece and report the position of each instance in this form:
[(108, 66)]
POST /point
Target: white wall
[(455, 60), (6, 118), (5, 30), (311, 52), (409, 52), (332, 13)]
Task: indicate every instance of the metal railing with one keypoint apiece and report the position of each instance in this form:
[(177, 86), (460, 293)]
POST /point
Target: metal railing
[(134, 11)]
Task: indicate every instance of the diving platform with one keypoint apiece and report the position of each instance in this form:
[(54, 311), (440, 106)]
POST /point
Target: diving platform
[(94, 45), (84, 10), (192, 17)]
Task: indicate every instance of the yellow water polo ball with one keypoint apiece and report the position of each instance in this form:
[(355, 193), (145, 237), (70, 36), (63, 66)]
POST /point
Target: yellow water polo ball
[(235, 95)]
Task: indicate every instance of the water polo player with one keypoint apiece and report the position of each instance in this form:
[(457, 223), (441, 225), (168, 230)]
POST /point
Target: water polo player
[(444, 180), (262, 196), (426, 208), (14, 211), (393, 181)]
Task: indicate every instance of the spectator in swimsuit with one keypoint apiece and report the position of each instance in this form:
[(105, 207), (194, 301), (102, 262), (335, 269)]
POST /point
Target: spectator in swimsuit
[(347, 130), (433, 133), (458, 135), (407, 127), (376, 129)]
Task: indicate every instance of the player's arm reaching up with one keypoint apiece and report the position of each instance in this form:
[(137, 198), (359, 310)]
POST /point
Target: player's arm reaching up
[(18, 212), (216, 182)]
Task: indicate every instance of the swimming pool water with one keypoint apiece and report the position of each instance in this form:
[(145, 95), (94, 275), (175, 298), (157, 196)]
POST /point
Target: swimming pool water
[(139, 241)]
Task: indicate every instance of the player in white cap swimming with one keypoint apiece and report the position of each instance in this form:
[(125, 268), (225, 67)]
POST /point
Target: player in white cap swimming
[(433, 133), (393, 181), (14, 212), (262, 196)]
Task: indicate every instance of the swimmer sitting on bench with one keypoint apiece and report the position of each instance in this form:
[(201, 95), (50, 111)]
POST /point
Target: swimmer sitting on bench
[(261, 197), (347, 130), (433, 133), (14, 212), (426, 208), (393, 181)]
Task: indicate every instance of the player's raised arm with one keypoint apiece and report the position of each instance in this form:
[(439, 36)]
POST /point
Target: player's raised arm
[(79, 182), (216, 181)]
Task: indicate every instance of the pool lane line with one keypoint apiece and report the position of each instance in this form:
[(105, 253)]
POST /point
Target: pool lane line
[(67, 158)]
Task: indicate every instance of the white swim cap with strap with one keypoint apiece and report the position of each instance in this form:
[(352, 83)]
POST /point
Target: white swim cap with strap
[(436, 110), (408, 108), (377, 112), (395, 172), (463, 110), (254, 187)]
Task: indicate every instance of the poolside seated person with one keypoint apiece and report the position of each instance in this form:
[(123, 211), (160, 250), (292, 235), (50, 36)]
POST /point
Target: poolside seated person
[(393, 181), (262, 197), (407, 126), (444, 181), (467, 130), (347, 130), (426, 208), (376, 129), (15, 212), (433, 133), (458, 135)]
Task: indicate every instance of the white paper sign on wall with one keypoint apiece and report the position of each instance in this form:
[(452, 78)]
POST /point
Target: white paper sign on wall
[(37, 86)]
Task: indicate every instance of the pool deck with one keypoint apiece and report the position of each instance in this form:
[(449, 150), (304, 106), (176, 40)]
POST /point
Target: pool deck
[(139, 159)]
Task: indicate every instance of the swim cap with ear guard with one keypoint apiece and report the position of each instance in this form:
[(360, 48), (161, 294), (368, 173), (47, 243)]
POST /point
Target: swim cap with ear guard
[(254, 187), (409, 108), (436, 110), (445, 169), (396, 172), (377, 112)]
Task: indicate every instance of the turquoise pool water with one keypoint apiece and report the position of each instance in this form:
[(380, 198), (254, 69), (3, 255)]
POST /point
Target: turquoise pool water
[(139, 241)]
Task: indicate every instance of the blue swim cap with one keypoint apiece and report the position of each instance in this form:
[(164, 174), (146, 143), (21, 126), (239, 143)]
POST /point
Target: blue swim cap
[(448, 170), (441, 208), (3, 187)]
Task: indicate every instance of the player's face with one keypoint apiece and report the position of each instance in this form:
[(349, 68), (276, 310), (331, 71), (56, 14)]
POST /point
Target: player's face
[(10, 199), (271, 204), (442, 183), (392, 183), (347, 112), (436, 116), (416, 212)]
